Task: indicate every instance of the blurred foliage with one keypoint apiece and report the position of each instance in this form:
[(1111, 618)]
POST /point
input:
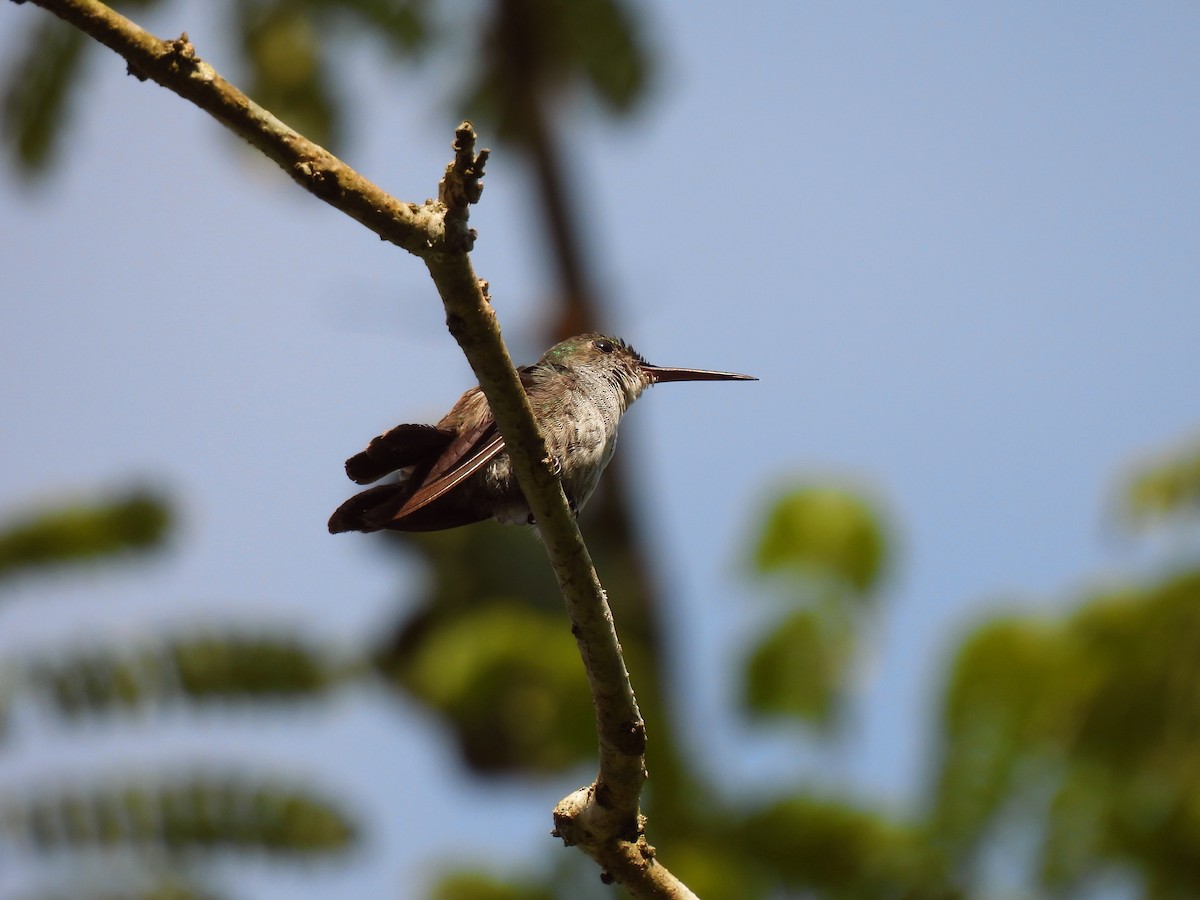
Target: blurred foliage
[(138, 886), (1086, 729), (38, 87), (523, 50), (823, 531), (212, 667), (83, 532), (798, 666), (468, 647), (477, 657), (533, 50), (803, 843), (1082, 730), (287, 47), (1165, 488), (510, 681), (196, 814), (281, 43), (1077, 734), (1093, 725), (821, 551), (477, 886), (487, 648)]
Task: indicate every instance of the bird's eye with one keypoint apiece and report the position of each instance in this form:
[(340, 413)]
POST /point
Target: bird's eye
[(604, 346)]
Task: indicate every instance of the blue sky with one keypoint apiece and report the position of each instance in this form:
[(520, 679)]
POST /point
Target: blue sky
[(958, 244)]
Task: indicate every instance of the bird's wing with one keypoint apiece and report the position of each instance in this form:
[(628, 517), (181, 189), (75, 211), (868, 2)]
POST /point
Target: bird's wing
[(466, 455), (440, 458), (403, 446), (470, 451)]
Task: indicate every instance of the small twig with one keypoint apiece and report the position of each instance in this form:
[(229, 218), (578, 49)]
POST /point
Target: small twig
[(461, 186), (602, 819)]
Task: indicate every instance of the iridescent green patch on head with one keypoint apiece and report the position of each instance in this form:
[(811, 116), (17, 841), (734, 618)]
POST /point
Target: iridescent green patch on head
[(592, 349), (576, 346)]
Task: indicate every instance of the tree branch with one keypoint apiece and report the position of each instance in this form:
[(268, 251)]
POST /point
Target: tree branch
[(603, 818), (174, 65)]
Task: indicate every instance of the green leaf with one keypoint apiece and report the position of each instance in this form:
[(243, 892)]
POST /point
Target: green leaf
[(283, 44), (1090, 726), (602, 39), (401, 24), (479, 886), (238, 666), (1074, 843), (839, 851), (195, 814), (204, 668), (1135, 683), (476, 580), (37, 90), (510, 679), (535, 51), (77, 533), (798, 668), (146, 882), (999, 701), (1165, 488), (714, 867), (823, 532)]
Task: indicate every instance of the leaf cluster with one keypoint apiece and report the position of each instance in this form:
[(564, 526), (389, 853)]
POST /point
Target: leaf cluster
[(164, 817), (288, 51)]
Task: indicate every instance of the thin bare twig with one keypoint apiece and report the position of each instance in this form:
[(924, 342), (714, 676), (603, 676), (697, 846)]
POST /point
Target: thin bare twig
[(603, 818)]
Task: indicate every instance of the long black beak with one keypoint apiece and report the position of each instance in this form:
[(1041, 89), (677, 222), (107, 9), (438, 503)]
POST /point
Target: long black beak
[(662, 374)]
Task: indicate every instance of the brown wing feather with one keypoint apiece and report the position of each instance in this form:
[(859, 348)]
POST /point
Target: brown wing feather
[(403, 446), (411, 504), (440, 459), (469, 452), (462, 459), (369, 510)]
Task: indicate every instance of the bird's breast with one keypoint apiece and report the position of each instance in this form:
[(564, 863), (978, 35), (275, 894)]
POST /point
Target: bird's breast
[(583, 443)]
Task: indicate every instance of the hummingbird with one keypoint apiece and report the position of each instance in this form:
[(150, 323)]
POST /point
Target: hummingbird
[(457, 471)]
